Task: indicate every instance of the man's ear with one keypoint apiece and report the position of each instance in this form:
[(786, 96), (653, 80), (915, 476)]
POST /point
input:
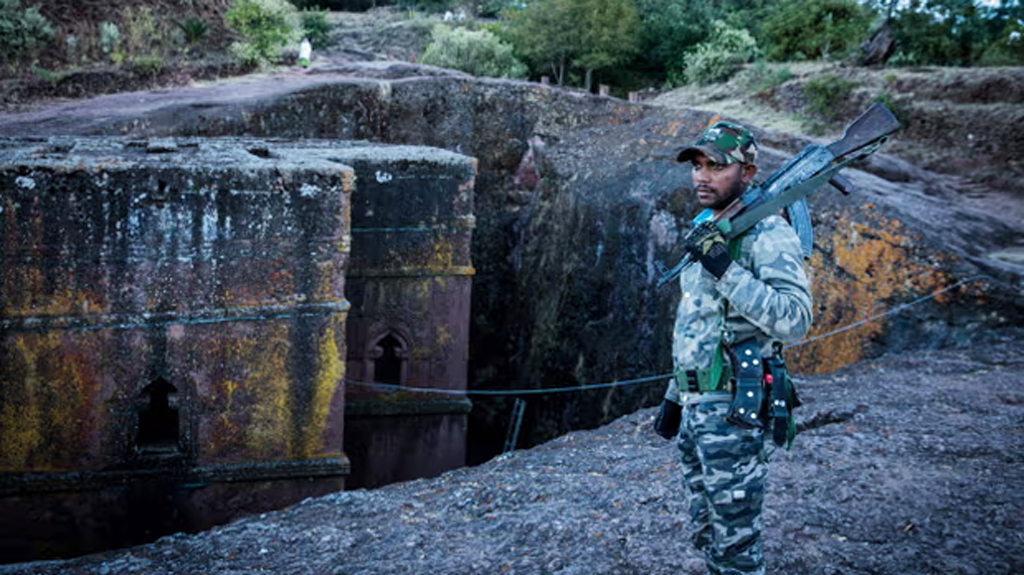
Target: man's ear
[(749, 171)]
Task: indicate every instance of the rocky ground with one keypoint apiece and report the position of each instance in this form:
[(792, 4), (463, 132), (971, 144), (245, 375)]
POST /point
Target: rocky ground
[(912, 466)]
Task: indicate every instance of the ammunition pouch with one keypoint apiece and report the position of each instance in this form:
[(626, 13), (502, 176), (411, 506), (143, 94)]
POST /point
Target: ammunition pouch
[(748, 396), (666, 423), (783, 401)]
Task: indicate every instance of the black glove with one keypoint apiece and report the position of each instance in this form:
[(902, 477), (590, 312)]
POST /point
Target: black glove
[(707, 244), (666, 424)]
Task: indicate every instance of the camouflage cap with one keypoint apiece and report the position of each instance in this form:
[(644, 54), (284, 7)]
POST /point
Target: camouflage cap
[(725, 143)]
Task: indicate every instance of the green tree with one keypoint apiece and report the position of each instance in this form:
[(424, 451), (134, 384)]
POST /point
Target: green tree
[(670, 29), (544, 35), (948, 32), (1007, 45), (609, 34), (813, 29), (746, 15), (584, 34), (477, 52)]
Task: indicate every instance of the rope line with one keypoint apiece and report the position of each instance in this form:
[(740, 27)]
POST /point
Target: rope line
[(393, 387), (893, 311), (460, 392)]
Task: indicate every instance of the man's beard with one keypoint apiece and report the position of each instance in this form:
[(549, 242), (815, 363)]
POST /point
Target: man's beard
[(735, 190)]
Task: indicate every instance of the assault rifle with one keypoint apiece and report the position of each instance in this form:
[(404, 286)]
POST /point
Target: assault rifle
[(801, 175)]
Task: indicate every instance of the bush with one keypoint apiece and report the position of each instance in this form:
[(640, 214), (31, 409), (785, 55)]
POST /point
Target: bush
[(23, 33), (110, 42), (825, 96), (141, 34), (480, 53), (266, 27), (762, 77), (193, 30), (719, 58), (315, 27), (148, 66), (897, 108)]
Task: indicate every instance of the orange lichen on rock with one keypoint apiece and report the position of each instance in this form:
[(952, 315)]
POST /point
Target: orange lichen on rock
[(858, 272)]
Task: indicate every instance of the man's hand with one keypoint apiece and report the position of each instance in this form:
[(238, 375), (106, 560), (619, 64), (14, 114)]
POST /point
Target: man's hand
[(707, 244)]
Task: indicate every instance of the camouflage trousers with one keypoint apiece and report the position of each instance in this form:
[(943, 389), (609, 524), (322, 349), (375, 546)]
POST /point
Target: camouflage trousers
[(725, 469)]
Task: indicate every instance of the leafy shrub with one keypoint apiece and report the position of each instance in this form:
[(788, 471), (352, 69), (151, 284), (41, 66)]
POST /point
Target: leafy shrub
[(479, 52), (266, 27), (22, 32), (141, 36), (721, 56), (48, 76), (149, 66), (826, 94), (110, 41), (315, 27), (897, 108), (762, 77), (193, 30)]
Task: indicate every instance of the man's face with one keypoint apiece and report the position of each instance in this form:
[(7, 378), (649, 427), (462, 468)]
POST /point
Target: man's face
[(717, 184)]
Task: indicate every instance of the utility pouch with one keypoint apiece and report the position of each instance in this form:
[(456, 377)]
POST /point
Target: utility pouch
[(748, 397), (666, 424), (783, 401)]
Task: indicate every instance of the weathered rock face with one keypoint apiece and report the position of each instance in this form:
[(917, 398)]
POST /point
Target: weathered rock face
[(577, 200), (172, 318)]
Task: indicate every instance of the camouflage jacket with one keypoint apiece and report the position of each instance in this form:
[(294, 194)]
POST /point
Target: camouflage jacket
[(768, 298)]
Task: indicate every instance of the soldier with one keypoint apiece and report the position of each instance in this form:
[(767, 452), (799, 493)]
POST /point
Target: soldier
[(748, 294)]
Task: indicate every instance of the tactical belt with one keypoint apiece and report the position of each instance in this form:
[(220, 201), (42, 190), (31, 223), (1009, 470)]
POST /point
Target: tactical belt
[(700, 380)]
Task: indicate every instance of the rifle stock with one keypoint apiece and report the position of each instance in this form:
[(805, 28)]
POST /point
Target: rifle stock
[(876, 122)]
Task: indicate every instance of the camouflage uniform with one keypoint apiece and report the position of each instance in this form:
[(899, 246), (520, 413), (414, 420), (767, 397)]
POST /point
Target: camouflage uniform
[(725, 466)]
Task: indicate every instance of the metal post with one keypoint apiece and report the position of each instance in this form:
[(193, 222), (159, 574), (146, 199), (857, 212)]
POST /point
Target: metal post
[(512, 437)]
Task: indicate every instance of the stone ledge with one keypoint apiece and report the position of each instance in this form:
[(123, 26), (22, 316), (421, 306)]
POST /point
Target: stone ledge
[(16, 484)]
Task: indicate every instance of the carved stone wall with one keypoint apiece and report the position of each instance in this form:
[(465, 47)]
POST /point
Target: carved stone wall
[(177, 314), (409, 282), (172, 341)]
